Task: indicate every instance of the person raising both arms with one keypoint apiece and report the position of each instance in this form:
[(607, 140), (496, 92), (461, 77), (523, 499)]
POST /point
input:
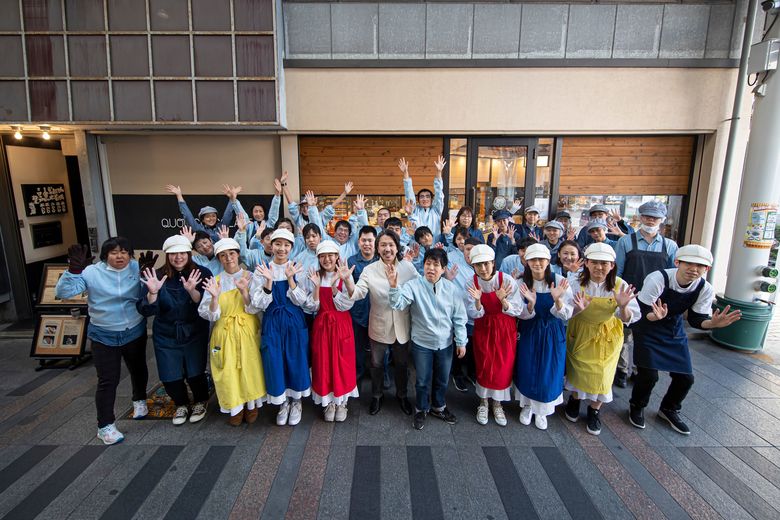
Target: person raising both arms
[(208, 221), (429, 206)]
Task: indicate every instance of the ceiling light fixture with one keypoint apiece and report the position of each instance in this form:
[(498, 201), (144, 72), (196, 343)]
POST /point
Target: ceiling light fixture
[(18, 133), (46, 136)]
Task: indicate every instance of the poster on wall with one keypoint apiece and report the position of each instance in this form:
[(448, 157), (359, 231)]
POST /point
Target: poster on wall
[(52, 274), (760, 233), (44, 199), (147, 220), (59, 336)]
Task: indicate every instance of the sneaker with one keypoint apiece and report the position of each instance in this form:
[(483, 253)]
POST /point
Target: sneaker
[(198, 412), (621, 379), (636, 416), (330, 412), (572, 409), (295, 413), (540, 421), (180, 417), (461, 383), (594, 423), (139, 409), (482, 414), (498, 414), (525, 415), (110, 435), (283, 414), (445, 415), (341, 412), (419, 421), (673, 418)]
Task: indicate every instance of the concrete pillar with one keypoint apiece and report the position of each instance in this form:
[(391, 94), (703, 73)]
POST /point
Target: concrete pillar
[(92, 187)]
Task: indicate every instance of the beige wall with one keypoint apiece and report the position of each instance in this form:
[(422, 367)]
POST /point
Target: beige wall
[(519, 100)]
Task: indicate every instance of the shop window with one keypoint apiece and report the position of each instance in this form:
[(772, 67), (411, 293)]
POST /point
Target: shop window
[(457, 179), (627, 206), (544, 168)]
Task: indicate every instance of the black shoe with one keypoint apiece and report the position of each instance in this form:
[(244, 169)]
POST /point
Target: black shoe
[(594, 423), (419, 421), (405, 405), (572, 409), (445, 415), (673, 418), (376, 405), (461, 383), (621, 379), (636, 416)]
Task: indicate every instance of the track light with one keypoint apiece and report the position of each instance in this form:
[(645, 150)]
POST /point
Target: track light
[(45, 135), (18, 133)]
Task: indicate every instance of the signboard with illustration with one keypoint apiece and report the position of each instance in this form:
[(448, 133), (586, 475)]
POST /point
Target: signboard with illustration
[(760, 233)]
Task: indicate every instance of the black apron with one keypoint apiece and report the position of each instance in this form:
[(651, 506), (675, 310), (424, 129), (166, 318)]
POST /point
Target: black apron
[(663, 345), (641, 263)]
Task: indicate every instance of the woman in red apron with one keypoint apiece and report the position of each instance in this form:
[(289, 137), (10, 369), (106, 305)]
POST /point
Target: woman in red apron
[(324, 293), (493, 303)]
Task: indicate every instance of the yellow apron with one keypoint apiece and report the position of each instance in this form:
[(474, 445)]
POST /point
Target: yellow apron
[(594, 338), (235, 353)]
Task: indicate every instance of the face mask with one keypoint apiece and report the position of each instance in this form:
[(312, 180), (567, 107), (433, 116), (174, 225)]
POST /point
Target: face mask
[(650, 230)]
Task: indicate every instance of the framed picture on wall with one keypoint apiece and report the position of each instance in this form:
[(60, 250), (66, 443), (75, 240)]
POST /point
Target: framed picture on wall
[(46, 295), (59, 336)]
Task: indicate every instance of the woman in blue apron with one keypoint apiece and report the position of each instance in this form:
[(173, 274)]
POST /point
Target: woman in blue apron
[(285, 338), (541, 349), (179, 334), (660, 341)]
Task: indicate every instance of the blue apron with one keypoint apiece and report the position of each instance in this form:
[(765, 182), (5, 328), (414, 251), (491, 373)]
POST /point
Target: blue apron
[(285, 344), (541, 353), (663, 345)]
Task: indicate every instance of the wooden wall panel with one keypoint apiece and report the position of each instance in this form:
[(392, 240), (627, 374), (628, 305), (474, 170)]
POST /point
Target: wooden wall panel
[(626, 165), (326, 163)]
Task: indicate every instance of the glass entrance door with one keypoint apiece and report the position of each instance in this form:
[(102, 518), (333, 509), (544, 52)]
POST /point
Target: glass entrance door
[(498, 171)]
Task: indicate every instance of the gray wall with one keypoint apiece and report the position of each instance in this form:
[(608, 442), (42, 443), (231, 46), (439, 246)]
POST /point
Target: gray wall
[(656, 33)]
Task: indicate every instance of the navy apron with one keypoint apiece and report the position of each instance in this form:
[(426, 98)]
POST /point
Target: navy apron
[(641, 263), (663, 345)]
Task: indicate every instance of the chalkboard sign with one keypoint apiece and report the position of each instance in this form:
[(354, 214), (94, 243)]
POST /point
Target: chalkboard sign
[(147, 220), (44, 199)]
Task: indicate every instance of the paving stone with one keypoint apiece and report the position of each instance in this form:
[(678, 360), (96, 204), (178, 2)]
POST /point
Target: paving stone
[(395, 501), (590, 31), (335, 499), (752, 417), (479, 482), (451, 475), (744, 472), (496, 30), (223, 495), (540, 489)]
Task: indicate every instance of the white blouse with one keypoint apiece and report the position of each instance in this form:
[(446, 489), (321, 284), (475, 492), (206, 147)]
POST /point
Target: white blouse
[(515, 299), (599, 290), (260, 299), (541, 287), (227, 282), (303, 295)]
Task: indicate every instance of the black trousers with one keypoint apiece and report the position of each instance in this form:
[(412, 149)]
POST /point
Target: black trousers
[(108, 364), (177, 390), (400, 353), (465, 366), (646, 379), (362, 346)]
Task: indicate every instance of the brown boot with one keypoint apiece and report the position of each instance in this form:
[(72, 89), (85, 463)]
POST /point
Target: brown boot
[(250, 416), (235, 420)]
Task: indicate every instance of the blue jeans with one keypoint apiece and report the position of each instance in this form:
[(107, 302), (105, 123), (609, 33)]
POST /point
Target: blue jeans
[(432, 366)]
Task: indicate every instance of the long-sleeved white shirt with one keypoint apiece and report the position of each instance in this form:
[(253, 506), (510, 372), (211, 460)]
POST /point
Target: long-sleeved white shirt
[(260, 299), (303, 295), (599, 290), (566, 310), (227, 282), (515, 299)]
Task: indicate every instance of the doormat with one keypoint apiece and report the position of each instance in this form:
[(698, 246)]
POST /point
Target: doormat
[(160, 405)]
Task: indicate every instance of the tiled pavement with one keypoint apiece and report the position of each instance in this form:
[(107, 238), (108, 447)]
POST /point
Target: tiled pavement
[(52, 466)]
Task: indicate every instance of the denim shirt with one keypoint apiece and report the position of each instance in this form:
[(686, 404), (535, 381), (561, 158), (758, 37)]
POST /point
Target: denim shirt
[(111, 296)]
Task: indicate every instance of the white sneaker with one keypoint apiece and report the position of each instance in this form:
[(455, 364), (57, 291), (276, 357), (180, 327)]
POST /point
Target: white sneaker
[(295, 413), (482, 414), (198, 412), (525, 415), (180, 417), (341, 412), (139, 409), (110, 435), (283, 414), (498, 414), (330, 412), (540, 421)]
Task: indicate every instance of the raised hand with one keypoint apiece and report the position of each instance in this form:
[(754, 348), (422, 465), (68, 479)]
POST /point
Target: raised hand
[(529, 294), (578, 264), (292, 269), (475, 292), (79, 257), (186, 232), (447, 225), (264, 270), (613, 228), (311, 200), (516, 274), (223, 231), (615, 215), (510, 232), (415, 249), (260, 229), (724, 318), (495, 233), (278, 186), (659, 309), (241, 222), (314, 276), (360, 202), (242, 283), (504, 291), (536, 235), (409, 207), (176, 190), (440, 162), (559, 289), (581, 301), (191, 282), (450, 273), (403, 166), (571, 234), (624, 295), (348, 187), (343, 270), (212, 286), (147, 260), (150, 280), (392, 274), (284, 177)]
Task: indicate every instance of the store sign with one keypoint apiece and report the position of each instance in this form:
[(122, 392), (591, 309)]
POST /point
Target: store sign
[(44, 199), (760, 233)]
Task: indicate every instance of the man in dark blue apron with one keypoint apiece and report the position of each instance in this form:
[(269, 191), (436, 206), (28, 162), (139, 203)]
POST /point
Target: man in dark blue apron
[(638, 255), (660, 342)]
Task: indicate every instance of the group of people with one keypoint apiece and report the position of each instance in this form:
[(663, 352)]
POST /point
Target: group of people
[(282, 310)]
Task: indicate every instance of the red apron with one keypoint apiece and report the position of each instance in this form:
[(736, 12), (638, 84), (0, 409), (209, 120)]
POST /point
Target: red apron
[(332, 348), (495, 342)]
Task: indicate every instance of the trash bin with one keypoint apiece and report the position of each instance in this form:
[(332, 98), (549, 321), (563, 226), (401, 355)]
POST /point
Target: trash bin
[(749, 332)]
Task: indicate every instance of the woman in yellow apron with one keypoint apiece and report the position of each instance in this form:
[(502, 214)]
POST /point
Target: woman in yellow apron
[(235, 337), (602, 304)]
